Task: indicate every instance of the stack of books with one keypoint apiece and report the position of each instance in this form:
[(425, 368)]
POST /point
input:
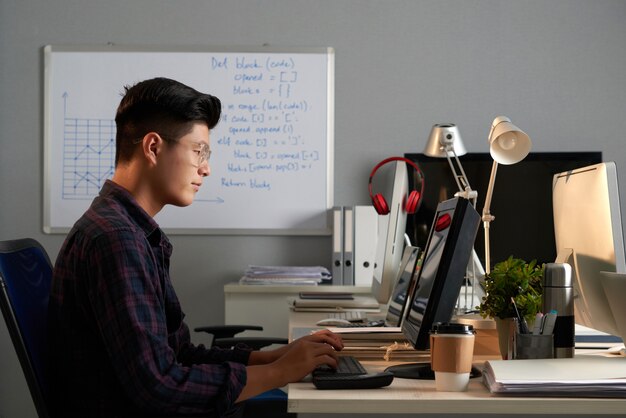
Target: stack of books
[(285, 275), (378, 343)]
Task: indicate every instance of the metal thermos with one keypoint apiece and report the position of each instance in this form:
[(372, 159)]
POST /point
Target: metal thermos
[(558, 295)]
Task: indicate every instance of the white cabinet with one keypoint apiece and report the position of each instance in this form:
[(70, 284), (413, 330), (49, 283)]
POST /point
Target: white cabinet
[(267, 305)]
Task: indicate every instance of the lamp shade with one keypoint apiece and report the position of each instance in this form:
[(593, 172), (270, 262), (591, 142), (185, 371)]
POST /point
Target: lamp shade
[(508, 144), (444, 138)]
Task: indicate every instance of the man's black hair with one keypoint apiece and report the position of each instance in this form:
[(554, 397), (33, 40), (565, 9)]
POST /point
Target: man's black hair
[(164, 106)]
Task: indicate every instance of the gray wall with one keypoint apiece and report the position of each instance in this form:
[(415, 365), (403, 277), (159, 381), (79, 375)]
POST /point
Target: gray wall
[(557, 68)]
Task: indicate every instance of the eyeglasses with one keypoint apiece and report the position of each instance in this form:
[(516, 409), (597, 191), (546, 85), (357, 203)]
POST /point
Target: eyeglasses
[(203, 152)]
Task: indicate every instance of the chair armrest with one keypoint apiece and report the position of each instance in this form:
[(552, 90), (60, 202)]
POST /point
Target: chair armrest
[(255, 343), (227, 331)]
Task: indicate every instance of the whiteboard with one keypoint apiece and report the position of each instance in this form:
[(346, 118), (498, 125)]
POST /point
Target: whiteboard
[(272, 162)]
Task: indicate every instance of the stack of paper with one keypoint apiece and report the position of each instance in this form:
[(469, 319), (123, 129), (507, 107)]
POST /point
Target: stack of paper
[(583, 376), (285, 275), (377, 343)]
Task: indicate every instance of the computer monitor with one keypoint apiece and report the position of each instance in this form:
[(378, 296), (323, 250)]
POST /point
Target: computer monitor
[(391, 231), (522, 200), (440, 277), (588, 235), (406, 278)]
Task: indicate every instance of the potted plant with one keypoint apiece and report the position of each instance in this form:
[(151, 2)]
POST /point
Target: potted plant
[(517, 279)]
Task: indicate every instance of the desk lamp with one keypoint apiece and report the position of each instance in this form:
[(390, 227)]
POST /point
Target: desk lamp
[(508, 145), (445, 141)]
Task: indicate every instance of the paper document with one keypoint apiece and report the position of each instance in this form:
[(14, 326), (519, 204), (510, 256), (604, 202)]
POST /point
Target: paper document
[(589, 376), (292, 275)]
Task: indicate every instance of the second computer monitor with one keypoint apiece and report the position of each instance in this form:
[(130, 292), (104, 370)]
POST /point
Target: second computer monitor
[(402, 289), (588, 232), (390, 243)]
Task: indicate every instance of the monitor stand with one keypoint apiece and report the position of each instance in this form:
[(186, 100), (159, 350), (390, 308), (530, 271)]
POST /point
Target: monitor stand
[(420, 371)]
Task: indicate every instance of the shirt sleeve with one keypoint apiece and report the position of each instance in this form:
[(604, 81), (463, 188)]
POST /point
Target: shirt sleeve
[(189, 354), (125, 290)]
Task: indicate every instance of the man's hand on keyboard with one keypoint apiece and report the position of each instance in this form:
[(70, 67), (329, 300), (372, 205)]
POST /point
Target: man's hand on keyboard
[(303, 355), (269, 356), (270, 369), (327, 337)]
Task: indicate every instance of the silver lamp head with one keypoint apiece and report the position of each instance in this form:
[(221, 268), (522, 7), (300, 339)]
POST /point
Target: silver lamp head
[(443, 139), (508, 144)]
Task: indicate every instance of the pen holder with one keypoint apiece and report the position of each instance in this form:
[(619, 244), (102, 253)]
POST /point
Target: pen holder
[(527, 346)]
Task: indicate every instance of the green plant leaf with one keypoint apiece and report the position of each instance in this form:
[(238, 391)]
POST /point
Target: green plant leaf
[(517, 279)]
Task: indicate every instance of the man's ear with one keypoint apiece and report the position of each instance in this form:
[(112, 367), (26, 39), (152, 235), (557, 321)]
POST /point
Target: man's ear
[(151, 146)]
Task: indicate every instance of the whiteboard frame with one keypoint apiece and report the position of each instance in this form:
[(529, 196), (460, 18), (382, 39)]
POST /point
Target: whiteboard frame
[(330, 128)]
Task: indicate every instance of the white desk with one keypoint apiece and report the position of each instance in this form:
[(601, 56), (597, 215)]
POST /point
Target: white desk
[(406, 396), (419, 397)]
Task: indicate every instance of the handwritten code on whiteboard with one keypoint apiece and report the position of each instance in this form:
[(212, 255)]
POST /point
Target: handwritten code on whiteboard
[(271, 167)]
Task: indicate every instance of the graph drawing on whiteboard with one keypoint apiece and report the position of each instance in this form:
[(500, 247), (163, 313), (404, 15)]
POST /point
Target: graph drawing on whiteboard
[(88, 155)]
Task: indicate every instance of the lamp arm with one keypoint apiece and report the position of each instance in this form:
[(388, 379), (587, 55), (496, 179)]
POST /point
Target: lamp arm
[(468, 192), (454, 172), (465, 190), (487, 216)]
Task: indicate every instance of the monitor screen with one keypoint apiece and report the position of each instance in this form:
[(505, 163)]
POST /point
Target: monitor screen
[(398, 300), (522, 200), (391, 231), (441, 275), (439, 279), (588, 234)]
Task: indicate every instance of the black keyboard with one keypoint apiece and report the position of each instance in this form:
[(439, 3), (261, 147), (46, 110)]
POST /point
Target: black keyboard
[(348, 366), (350, 374)]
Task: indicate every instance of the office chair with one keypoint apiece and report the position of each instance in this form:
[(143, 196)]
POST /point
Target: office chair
[(224, 336), (25, 276)]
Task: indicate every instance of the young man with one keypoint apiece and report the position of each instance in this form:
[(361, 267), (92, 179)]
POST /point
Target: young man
[(118, 343)]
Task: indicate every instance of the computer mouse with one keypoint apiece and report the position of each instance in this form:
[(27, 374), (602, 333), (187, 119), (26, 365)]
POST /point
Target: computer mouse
[(333, 322)]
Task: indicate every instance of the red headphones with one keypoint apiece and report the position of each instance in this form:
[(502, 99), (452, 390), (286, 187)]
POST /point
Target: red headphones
[(412, 201)]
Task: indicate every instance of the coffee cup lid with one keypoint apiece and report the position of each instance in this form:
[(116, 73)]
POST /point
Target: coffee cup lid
[(451, 328)]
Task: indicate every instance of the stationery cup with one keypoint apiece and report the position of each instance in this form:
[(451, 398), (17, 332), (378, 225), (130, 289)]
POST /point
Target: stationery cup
[(451, 351), (529, 346)]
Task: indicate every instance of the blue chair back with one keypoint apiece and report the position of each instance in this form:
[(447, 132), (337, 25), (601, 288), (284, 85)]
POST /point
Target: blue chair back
[(25, 277)]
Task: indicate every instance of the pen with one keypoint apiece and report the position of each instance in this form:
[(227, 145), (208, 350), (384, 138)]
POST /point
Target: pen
[(548, 323), (538, 324), (523, 326)]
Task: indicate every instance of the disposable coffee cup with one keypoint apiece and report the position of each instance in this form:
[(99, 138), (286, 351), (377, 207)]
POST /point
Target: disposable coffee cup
[(451, 352)]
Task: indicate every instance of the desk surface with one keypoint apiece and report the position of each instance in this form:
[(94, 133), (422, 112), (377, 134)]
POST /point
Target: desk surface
[(406, 396)]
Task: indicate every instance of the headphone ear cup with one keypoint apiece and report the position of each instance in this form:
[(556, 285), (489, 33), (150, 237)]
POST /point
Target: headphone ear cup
[(380, 204), (412, 201)]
